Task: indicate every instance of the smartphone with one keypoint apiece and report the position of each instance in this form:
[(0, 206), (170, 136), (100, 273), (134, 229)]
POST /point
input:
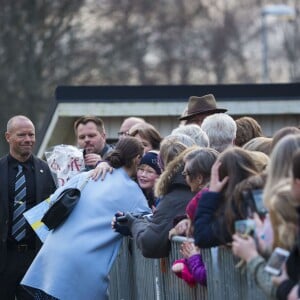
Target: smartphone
[(244, 227), (254, 200), (257, 196), (276, 260)]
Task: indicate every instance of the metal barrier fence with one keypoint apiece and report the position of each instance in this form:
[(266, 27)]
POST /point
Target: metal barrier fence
[(134, 277)]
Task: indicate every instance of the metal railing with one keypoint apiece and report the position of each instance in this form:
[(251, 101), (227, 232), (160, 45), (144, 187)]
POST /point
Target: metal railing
[(134, 277)]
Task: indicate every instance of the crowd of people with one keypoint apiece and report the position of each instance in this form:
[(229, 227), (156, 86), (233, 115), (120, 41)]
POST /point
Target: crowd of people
[(208, 180)]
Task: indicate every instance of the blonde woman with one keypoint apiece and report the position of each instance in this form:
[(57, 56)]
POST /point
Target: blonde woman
[(283, 217), (280, 165)]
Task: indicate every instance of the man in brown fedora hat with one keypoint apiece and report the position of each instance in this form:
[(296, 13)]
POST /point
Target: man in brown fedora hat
[(200, 107)]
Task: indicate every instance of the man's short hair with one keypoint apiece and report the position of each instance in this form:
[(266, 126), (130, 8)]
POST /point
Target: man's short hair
[(86, 119), (247, 129)]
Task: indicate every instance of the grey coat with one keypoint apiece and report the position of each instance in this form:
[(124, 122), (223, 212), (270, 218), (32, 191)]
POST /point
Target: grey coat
[(152, 236)]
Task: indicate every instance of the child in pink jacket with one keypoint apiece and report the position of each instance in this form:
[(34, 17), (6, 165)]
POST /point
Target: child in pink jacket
[(191, 267)]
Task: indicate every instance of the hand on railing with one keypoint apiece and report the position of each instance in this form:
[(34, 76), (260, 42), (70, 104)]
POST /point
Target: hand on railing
[(182, 228), (189, 249)]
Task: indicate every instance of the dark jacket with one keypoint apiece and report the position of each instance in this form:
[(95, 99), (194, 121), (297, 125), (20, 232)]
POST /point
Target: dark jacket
[(210, 230), (152, 237), (45, 186), (292, 268)]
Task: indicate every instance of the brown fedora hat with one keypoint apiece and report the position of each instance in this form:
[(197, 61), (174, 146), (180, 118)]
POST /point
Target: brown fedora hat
[(202, 105)]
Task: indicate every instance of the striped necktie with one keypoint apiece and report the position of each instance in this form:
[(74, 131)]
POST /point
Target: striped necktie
[(19, 222)]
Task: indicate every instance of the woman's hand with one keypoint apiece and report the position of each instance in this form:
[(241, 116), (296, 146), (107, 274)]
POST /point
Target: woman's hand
[(91, 159), (277, 280), (244, 247), (101, 170), (215, 184), (182, 228)]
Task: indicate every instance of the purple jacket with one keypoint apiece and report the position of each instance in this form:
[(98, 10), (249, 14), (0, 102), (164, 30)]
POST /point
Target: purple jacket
[(197, 268)]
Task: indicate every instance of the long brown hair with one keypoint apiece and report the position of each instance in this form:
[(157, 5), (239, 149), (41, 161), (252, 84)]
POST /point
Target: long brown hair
[(239, 207), (238, 165)]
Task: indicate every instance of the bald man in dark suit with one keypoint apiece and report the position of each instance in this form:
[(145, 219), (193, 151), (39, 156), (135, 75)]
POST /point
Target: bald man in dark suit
[(17, 252)]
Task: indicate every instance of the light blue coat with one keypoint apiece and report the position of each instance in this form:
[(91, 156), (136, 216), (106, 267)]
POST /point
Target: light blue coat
[(76, 257)]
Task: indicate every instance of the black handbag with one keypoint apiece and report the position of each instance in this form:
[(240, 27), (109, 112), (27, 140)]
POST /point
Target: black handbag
[(62, 207)]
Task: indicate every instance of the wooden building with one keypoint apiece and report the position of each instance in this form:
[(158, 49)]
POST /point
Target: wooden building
[(272, 105)]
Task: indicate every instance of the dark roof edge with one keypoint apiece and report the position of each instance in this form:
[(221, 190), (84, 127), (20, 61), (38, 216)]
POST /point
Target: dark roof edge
[(175, 92)]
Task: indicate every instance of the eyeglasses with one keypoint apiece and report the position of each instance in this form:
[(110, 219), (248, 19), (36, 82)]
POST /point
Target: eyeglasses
[(185, 173), (146, 171)]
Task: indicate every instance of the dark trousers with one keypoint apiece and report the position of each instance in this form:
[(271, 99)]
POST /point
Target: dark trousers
[(18, 261)]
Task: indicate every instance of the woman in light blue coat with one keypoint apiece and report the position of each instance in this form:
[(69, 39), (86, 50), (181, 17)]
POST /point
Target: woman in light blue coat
[(76, 257)]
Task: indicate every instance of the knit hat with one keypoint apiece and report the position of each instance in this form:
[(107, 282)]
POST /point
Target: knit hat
[(150, 159)]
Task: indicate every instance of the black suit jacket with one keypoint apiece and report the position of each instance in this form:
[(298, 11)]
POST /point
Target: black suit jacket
[(44, 184)]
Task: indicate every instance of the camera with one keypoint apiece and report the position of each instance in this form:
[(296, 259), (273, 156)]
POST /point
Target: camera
[(140, 215)]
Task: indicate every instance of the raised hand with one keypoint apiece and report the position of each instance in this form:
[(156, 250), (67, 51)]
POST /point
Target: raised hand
[(215, 184)]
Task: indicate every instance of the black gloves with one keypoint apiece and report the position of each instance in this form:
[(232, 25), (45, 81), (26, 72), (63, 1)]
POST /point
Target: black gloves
[(123, 221), (122, 229), (120, 224), (129, 218)]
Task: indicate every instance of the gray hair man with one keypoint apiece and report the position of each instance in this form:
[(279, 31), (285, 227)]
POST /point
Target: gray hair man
[(221, 131)]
